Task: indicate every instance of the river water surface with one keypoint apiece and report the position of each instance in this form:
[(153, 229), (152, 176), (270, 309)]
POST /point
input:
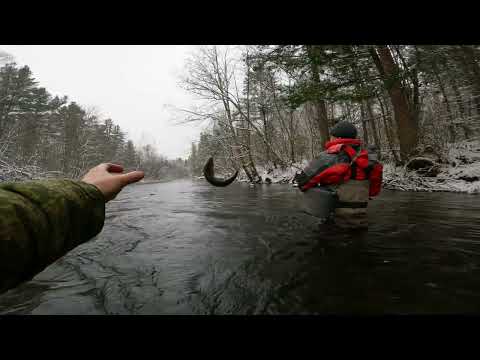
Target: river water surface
[(186, 247)]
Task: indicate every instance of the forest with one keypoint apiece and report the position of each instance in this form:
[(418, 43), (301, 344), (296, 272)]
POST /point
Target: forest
[(45, 136), (269, 108)]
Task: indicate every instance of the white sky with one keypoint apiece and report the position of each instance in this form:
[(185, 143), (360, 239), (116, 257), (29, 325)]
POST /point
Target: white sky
[(131, 84)]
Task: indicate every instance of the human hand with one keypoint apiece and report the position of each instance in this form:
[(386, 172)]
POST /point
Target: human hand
[(110, 180)]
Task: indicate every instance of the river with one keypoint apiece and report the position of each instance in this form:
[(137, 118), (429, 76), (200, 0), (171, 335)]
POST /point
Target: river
[(185, 247)]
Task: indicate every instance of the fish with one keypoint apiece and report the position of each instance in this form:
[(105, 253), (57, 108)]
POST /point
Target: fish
[(209, 173)]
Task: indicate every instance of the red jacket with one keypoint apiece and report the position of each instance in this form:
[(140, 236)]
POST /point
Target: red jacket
[(333, 166)]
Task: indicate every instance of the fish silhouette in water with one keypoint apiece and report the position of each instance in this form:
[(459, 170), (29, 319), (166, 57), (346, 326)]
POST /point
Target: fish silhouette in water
[(209, 174)]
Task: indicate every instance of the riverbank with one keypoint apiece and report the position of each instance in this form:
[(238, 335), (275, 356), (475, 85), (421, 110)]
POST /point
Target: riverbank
[(9, 173), (459, 173), (275, 176), (156, 181)]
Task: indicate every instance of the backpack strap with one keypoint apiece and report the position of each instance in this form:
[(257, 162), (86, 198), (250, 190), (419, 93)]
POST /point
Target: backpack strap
[(355, 157)]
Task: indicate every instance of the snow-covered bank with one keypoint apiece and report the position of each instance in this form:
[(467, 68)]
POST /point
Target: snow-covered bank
[(460, 173), (157, 181), (275, 176), (10, 172)]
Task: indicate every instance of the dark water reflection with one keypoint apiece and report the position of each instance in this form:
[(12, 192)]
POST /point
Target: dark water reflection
[(187, 248)]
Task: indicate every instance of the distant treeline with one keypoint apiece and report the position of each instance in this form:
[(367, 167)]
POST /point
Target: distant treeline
[(274, 105), (40, 133)]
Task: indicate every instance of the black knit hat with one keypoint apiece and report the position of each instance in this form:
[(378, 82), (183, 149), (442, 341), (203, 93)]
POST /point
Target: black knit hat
[(344, 129)]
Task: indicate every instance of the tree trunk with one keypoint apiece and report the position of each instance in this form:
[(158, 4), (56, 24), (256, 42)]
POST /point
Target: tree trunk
[(441, 85), (453, 84), (311, 130), (373, 125), (251, 163), (266, 132), (471, 64), (291, 138), (406, 124), (388, 131), (367, 103), (364, 123), (320, 105), (322, 120)]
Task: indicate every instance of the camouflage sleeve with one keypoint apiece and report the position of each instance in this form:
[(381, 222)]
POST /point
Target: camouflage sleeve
[(40, 221)]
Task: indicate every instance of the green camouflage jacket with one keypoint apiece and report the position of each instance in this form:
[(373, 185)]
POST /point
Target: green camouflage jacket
[(40, 221)]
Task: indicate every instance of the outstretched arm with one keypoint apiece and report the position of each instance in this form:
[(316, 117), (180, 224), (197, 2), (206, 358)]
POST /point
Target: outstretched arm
[(40, 221)]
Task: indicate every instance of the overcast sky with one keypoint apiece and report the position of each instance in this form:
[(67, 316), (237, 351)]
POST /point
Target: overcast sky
[(132, 84)]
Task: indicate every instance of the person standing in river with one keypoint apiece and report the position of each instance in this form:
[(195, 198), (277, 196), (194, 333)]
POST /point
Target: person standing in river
[(350, 173), (40, 221)]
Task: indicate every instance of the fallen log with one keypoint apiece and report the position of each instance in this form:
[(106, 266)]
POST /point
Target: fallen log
[(423, 166)]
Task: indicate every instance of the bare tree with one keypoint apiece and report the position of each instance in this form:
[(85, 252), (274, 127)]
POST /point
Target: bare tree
[(405, 119)]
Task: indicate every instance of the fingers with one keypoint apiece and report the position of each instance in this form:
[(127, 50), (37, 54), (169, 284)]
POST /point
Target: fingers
[(115, 168), (132, 177)]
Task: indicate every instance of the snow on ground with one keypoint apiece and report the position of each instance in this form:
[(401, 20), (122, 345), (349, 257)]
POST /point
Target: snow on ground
[(276, 176), (460, 174)]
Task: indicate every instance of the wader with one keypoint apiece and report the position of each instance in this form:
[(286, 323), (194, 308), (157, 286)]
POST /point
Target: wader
[(351, 209)]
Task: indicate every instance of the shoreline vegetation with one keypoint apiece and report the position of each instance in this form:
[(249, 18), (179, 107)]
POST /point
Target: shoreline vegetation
[(267, 111), (271, 108), (44, 136), (157, 181), (461, 173)]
